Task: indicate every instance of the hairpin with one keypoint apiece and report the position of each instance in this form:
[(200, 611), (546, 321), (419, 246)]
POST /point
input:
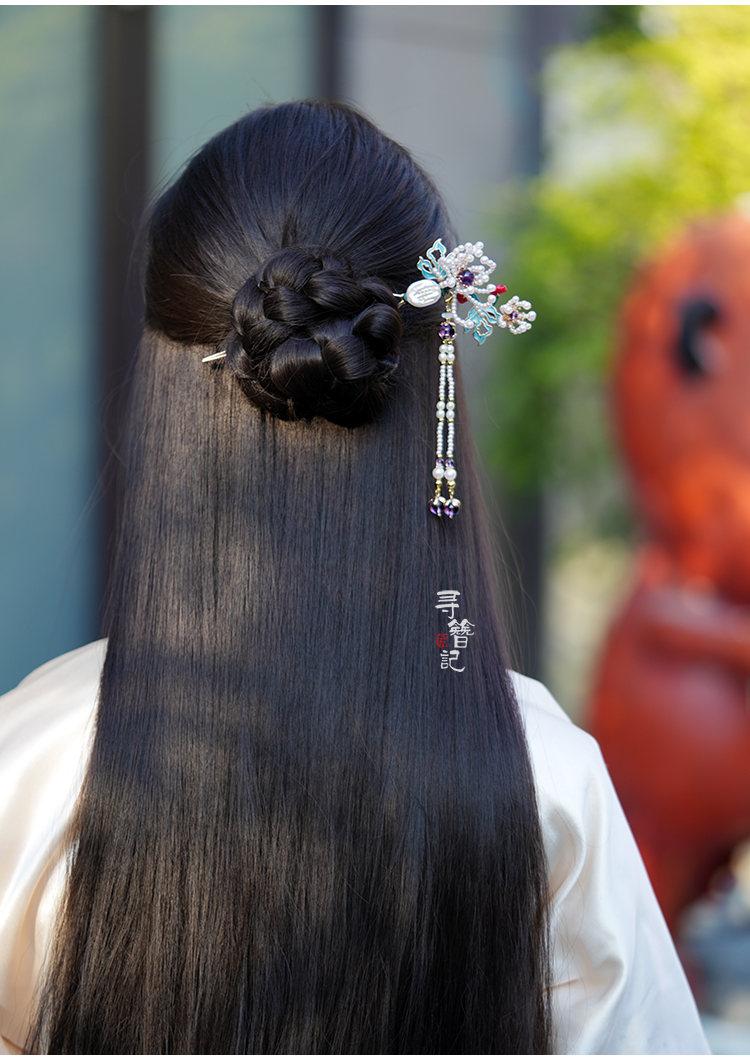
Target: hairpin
[(459, 277)]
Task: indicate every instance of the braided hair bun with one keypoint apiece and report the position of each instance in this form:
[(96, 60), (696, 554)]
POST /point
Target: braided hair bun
[(309, 339)]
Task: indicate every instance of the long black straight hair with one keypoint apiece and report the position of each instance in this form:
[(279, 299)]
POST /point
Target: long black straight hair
[(297, 833)]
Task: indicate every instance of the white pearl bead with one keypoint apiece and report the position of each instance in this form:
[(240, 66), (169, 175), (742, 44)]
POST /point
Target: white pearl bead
[(440, 414), (450, 357), (450, 474), (437, 473), (450, 405), (450, 415), (443, 358), (441, 404)]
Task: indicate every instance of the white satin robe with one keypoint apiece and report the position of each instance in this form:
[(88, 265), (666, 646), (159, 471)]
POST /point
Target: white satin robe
[(619, 987)]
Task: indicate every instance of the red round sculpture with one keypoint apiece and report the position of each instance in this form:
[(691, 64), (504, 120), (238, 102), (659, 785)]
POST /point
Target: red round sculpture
[(671, 706)]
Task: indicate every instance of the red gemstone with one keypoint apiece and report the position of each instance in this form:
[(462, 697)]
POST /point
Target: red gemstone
[(461, 297), (501, 288)]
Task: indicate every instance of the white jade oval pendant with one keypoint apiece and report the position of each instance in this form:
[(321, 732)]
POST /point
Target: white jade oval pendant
[(423, 292)]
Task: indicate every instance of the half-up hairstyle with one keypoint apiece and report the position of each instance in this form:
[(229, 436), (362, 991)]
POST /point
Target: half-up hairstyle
[(297, 834)]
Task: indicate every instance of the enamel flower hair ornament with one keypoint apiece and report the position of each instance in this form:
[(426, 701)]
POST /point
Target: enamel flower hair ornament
[(460, 277)]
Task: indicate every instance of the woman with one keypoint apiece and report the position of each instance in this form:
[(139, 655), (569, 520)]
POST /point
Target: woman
[(297, 832)]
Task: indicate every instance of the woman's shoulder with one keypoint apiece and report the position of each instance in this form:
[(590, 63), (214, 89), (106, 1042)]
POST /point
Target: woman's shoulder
[(45, 730), (74, 672), (574, 792), (566, 760), (618, 984), (544, 717), (46, 720)]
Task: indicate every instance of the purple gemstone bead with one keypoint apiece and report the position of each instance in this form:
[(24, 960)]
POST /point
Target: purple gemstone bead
[(466, 277), (437, 505), (446, 331), (452, 507), (449, 462)]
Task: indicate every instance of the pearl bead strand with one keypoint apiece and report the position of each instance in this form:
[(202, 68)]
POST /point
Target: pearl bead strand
[(446, 413)]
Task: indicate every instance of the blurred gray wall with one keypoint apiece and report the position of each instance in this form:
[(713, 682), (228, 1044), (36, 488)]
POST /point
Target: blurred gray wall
[(48, 390), (444, 82)]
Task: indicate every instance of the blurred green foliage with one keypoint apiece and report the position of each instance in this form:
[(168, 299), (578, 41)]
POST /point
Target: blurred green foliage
[(649, 128), (621, 19)]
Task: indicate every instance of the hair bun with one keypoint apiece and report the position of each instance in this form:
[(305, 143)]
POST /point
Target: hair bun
[(310, 339)]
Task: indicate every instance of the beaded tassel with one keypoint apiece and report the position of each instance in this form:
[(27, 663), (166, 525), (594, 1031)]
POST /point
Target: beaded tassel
[(457, 279), (446, 413)]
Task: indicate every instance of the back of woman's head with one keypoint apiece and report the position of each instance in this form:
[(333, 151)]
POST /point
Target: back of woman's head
[(297, 832), (283, 244)]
